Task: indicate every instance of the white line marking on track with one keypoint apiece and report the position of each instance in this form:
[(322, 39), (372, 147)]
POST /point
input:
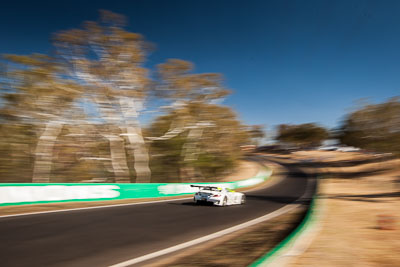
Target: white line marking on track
[(96, 207)]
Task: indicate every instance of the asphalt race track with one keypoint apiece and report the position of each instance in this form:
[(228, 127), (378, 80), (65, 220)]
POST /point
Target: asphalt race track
[(107, 236)]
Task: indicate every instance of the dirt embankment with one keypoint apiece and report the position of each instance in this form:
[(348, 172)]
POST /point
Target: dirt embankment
[(245, 169), (360, 196)]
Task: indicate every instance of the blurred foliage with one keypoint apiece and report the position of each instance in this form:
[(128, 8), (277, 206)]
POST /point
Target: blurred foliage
[(74, 115), (373, 126), (17, 145), (302, 135), (257, 133), (215, 152), (86, 156)]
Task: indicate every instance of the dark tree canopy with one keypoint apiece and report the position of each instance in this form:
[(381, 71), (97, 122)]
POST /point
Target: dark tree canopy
[(374, 126), (302, 135)]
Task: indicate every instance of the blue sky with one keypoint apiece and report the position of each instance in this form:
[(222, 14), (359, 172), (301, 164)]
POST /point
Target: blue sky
[(286, 61)]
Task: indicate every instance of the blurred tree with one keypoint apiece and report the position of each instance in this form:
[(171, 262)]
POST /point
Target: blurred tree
[(100, 67), (375, 127), (210, 151), (17, 146), (302, 135), (256, 133), (191, 96), (35, 92), (109, 60)]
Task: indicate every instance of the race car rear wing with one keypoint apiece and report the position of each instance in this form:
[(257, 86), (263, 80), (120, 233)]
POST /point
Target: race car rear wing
[(206, 187)]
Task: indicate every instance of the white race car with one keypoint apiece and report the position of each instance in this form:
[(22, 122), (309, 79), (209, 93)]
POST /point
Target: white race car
[(219, 196)]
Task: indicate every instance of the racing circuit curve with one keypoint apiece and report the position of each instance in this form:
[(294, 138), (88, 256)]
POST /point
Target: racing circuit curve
[(111, 235)]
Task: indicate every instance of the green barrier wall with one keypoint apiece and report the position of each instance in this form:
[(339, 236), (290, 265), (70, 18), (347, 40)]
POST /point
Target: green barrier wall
[(21, 194)]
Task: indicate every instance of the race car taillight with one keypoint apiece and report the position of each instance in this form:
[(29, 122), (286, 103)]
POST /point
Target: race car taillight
[(216, 195)]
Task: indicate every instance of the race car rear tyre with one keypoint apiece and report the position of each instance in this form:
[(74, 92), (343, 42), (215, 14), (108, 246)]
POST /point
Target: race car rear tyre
[(224, 201), (243, 200)]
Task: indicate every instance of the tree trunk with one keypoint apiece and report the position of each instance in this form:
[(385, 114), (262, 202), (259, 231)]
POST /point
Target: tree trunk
[(44, 152), (140, 153), (190, 154), (130, 109), (118, 159), (119, 162)]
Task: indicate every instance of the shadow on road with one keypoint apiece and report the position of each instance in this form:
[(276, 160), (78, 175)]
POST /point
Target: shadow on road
[(192, 203), (279, 199)]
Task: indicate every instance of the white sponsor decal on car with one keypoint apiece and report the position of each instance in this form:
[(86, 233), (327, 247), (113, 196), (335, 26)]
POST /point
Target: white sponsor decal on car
[(16, 194)]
